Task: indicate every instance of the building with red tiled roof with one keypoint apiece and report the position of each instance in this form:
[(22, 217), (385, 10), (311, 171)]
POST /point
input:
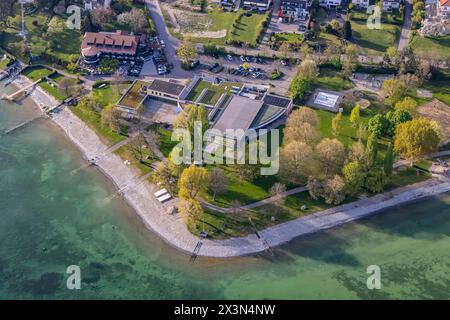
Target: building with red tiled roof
[(444, 7), (119, 45)]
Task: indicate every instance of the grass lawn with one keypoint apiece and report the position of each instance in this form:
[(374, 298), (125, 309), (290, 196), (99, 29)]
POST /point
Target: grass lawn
[(375, 41), (5, 59), (94, 121), (108, 94), (292, 38), (247, 29), (36, 73), (64, 46), (332, 79), (215, 91), (241, 190), (144, 167), (405, 177), (165, 143), (440, 90), (431, 46)]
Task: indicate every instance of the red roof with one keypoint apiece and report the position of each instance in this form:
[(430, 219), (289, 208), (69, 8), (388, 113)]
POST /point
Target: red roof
[(445, 2), (109, 42)]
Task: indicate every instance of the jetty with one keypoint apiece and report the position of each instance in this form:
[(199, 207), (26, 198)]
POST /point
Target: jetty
[(14, 94)]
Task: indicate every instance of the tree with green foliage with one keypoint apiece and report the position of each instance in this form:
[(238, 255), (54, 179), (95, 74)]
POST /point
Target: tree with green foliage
[(407, 104), (190, 210), (108, 65), (186, 51), (110, 117), (336, 123), (347, 31), (193, 183), (378, 125), (416, 139), (392, 91), (395, 118), (371, 149), (389, 160), (375, 180), (6, 11), (308, 70), (354, 176), (355, 116), (299, 88)]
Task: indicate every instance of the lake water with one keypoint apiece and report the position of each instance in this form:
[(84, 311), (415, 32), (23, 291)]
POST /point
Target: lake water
[(53, 215)]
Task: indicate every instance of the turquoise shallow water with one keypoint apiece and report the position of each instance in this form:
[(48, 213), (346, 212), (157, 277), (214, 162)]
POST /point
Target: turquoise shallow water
[(51, 217)]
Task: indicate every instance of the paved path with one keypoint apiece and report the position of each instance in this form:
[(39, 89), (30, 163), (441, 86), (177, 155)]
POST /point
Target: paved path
[(404, 36)]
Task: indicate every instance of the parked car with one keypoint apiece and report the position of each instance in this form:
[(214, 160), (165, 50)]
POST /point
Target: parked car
[(229, 57), (284, 62), (302, 27), (242, 58)]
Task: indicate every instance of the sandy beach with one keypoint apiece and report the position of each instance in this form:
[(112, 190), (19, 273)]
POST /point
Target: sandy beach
[(139, 194)]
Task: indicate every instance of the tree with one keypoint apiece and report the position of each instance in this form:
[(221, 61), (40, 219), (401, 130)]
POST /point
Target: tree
[(67, 87), (296, 162), (347, 32), (218, 181), (108, 65), (299, 87), (415, 139), (407, 104), (355, 116), (330, 154), (371, 149), (303, 132), (303, 115), (331, 190), (424, 71), (336, 123), (111, 117), (308, 70), (137, 147), (354, 176), (277, 191), (186, 51), (351, 60), (392, 53), (102, 16), (392, 91), (193, 182), (284, 49), (138, 20), (197, 114), (409, 81), (190, 210), (375, 180), (163, 175), (395, 118), (6, 11), (378, 125), (358, 153), (389, 160)]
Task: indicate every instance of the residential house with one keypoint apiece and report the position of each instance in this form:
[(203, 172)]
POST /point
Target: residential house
[(361, 4), (330, 4), (118, 45), (258, 4), (294, 9), (389, 5)]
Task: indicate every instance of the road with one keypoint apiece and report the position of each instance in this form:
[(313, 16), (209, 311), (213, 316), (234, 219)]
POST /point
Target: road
[(404, 36), (171, 42)]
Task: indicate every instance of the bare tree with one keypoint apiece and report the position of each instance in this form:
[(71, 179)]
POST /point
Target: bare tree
[(137, 146), (277, 191), (218, 181)]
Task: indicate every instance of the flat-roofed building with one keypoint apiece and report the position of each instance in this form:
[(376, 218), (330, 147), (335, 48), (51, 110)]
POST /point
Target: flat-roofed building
[(165, 90), (325, 99)]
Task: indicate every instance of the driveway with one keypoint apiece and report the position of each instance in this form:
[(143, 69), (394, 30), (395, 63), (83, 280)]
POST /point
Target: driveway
[(171, 42), (404, 36)]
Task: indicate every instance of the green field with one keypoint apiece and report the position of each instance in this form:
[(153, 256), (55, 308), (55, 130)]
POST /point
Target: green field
[(332, 79), (109, 94), (36, 73), (247, 29), (64, 46), (375, 41), (431, 46), (143, 167), (165, 139), (292, 38), (440, 90)]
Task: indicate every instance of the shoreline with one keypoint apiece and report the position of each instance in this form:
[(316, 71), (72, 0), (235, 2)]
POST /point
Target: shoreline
[(139, 195)]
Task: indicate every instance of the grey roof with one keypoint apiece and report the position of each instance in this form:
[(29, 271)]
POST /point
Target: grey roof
[(166, 87), (278, 101), (258, 1), (303, 3), (238, 114)]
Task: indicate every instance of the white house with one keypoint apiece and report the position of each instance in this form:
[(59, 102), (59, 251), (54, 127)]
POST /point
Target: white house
[(361, 4), (259, 4), (444, 7), (389, 5), (295, 9), (330, 4)]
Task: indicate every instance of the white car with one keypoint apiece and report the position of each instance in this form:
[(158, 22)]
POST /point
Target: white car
[(242, 58), (229, 57)]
